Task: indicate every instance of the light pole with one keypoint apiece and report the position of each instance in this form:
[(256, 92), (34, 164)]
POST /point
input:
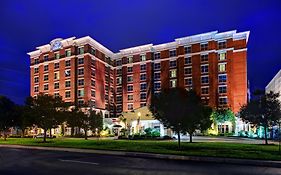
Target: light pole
[(139, 115)]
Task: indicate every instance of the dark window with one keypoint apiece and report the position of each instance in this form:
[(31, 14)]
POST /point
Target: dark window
[(57, 65), (80, 60), (222, 44), (157, 55), (67, 63), (81, 71), (204, 58), (173, 63), (172, 53), (143, 67), (222, 78), (56, 85), (204, 46), (157, 66), (67, 84), (143, 86), (187, 60), (187, 49), (46, 67)]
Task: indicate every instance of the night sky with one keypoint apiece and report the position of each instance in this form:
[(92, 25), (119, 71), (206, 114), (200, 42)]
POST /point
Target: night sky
[(120, 24)]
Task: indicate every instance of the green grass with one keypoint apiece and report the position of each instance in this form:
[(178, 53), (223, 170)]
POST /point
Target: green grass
[(233, 150)]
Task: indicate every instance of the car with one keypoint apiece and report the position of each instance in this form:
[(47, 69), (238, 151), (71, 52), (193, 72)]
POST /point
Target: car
[(41, 135)]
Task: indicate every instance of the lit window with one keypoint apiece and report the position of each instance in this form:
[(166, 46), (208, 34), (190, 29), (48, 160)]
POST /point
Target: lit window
[(205, 79), (222, 56), (119, 80), (157, 55), (57, 56), (81, 50), (130, 79), (130, 59), (204, 58), (67, 73), (80, 92), (130, 107), (93, 51), (57, 76), (172, 53), (187, 71), (157, 66), (204, 68), (187, 60), (67, 63), (130, 97), (142, 77), (222, 67), (80, 60), (143, 57), (204, 46), (222, 89), (68, 53), (173, 73), (67, 84), (173, 83), (222, 78), (173, 63), (205, 90)]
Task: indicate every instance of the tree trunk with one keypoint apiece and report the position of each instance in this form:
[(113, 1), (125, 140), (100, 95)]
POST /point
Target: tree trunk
[(50, 132), (72, 131), (22, 132), (86, 137), (5, 135), (190, 137), (45, 135), (265, 135), (179, 140)]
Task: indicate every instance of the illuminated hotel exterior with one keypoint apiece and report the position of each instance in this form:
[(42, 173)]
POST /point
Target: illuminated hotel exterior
[(82, 70), (275, 85)]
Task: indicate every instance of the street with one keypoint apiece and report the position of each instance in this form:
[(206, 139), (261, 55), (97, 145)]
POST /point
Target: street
[(39, 162)]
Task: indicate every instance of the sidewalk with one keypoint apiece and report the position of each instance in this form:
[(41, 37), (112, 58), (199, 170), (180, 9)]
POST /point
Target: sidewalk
[(266, 163)]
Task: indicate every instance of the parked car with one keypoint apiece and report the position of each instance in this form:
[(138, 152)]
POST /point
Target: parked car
[(41, 135)]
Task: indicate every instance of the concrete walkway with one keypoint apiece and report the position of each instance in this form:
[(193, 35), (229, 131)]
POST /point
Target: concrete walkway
[(265, 163)]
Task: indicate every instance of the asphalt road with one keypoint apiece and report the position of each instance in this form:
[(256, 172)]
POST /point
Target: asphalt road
[(38, 162)]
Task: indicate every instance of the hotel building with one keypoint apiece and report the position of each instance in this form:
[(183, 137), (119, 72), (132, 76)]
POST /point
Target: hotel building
[(82, 70), (275, 85)]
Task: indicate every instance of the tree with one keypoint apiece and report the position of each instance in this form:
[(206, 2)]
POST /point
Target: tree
[(222, 115), (72, 119), (47, 111), (96, 122), (265, 110), (181, 110), (7, 115)]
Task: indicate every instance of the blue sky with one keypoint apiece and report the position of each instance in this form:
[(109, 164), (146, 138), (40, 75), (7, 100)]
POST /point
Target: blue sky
[(120, 24)]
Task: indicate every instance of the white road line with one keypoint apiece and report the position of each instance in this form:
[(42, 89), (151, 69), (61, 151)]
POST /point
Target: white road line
[(76, 161)]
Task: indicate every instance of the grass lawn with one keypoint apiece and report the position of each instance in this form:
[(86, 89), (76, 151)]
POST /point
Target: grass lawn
[(233, 150)]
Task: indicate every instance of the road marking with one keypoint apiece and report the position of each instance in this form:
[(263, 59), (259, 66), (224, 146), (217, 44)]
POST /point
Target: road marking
[(76, 161)]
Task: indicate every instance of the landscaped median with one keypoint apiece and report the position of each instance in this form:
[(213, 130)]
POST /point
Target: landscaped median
[(210, 149)]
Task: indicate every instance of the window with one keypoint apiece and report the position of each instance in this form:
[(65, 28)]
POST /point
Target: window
[(143, 86), (46, 77), (143, 96), (36, 79), (205, 79), (93, 83), (222, 78), (130, 88), (93, 72), (130, 79), (68, 53), (67, 73), (173, 63), (119, 80), (187, 71), (188, 81), (46, 87), (130, 69), (204, 58), (93, 93), (143, 67), (56, 94), (80, 60), (222, 44), (204, 68), (67, 94), (57, 65), (57, 76), (187, 49), (119, 71), (157, 55), (46, 57), (130, 107), (204, 46), (56, 85), (173, 83), (205, 90), (119, 62), (119, 89), (157, 75), (172, 53), (46, 67), (222, 89), (36, 89), (81, 50), (80, 82), (80, 92), (157, 86), (67, 84), (67, 63), (222, 100), (36, 70), (157, 66), (57, 55), (81, 71), (222, 67), (130, 59), (119, 99), (143, 104), (142, 77), (173, 73), (187, 60), (130, 97), (143, 57), (80, 102), (222, 56), (36, 61)]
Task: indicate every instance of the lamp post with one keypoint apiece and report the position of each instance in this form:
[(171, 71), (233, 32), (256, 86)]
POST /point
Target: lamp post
[(139, 115)]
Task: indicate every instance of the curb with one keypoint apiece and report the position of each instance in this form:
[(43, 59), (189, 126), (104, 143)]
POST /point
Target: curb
[(266, 163)]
